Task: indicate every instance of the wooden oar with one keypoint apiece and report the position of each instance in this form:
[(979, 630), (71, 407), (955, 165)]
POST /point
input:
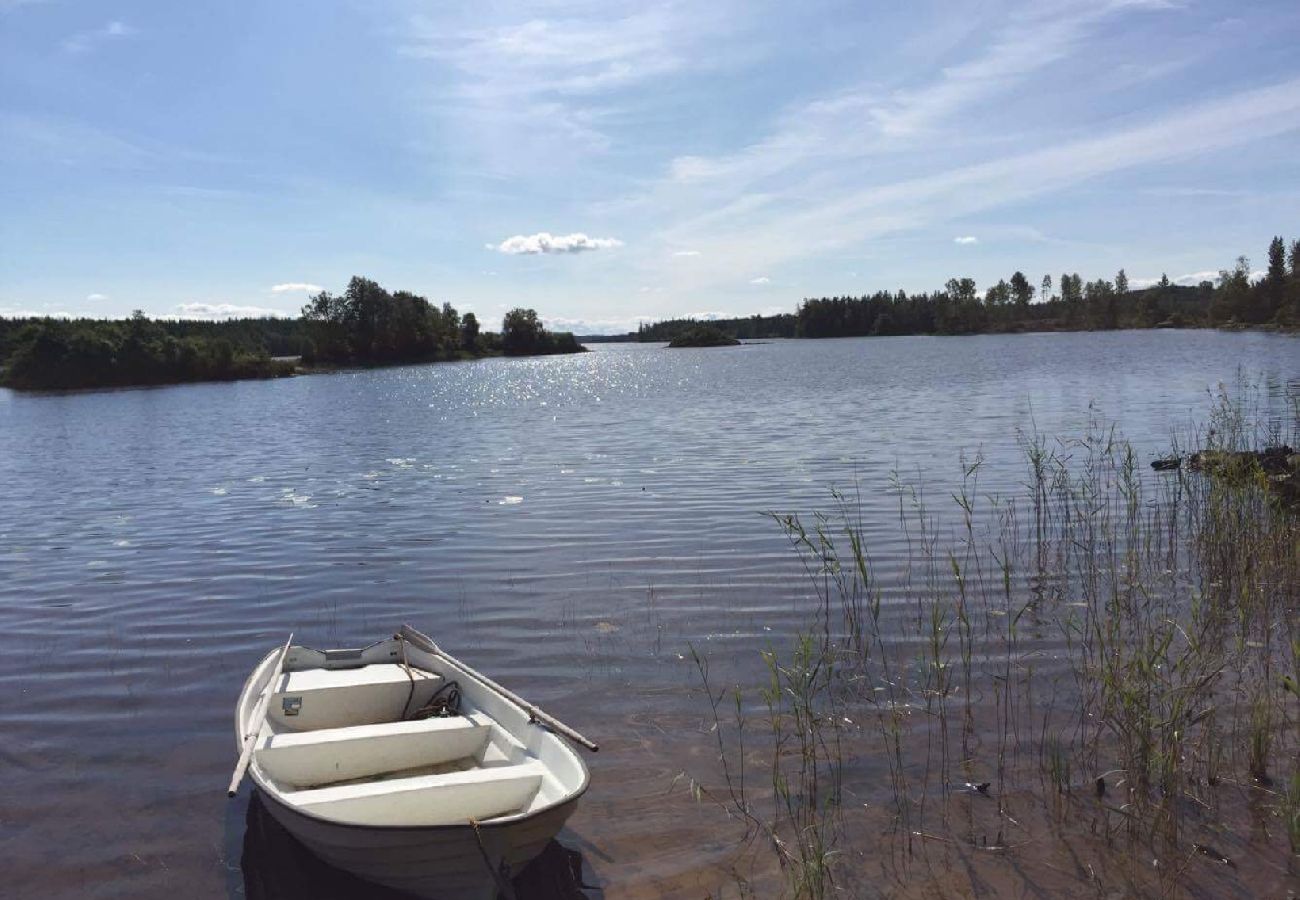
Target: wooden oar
[(255, 723), (423, 642)]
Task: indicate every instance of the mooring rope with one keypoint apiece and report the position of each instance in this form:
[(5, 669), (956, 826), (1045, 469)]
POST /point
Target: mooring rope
[(444, 702)]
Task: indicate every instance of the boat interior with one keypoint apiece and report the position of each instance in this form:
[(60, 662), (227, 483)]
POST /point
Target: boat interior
[(387, 743)]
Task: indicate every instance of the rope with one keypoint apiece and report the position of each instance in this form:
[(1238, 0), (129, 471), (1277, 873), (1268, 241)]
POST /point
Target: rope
[(410, 694), (445, 701), (504, 886)]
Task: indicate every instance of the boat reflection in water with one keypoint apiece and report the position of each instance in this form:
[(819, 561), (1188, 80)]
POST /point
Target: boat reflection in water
[(277, 867)]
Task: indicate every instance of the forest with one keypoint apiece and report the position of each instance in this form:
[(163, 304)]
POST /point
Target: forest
[(366, 325), (1016, 304), (75, 353)]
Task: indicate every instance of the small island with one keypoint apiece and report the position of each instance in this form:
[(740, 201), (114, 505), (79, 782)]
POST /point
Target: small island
[(703, 336), (366, 325)]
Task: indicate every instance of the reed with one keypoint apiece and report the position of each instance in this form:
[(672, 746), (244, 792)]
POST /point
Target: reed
[(1176, 598)]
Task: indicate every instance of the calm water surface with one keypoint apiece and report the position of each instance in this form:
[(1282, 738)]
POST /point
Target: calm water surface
[(567, 524)]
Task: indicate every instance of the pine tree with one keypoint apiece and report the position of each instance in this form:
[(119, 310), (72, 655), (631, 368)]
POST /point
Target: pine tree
[(1277, 261)]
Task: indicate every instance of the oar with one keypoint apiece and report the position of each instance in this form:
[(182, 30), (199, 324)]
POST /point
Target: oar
[(423, 642), (255, 723)]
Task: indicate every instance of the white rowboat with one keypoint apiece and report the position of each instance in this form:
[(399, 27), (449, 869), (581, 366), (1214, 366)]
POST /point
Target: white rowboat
[(446, 806)]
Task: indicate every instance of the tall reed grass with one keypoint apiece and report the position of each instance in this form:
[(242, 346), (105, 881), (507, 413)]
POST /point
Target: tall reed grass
[(1174, 600)]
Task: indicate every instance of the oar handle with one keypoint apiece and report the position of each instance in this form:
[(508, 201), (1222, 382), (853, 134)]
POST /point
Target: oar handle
[(423, 642), (255, 723)]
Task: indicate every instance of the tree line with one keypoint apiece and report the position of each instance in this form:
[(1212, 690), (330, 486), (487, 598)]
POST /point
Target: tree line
[(746, 328), (365, 325), (1017, 304), (76, 353)]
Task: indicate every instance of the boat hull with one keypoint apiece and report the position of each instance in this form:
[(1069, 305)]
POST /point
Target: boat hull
[(438, 863)]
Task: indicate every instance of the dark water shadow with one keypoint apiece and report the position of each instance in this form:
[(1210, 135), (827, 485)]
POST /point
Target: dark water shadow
[(277, 867)]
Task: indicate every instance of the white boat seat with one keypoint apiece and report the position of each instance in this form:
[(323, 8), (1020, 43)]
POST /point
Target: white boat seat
[(335, 698), (449, 799), (329, 755)]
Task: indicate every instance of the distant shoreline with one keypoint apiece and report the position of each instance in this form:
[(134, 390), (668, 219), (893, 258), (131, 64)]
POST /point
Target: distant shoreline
[(295, 368), (365, 327), (1267, 328)]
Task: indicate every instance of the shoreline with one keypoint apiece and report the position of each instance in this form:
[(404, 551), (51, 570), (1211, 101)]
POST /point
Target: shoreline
[(1267, 328), (285, 367)]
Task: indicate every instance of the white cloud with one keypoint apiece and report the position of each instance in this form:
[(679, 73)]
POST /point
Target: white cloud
[(21, 312), (573, 55), (94, 297), (761, 279), (87, 40), (214, 311), (555, 77), (295, 286), (864, 119), (686, 253), (966, 239), (834, 212), (1032, 39), (596, 326), (545, 242)]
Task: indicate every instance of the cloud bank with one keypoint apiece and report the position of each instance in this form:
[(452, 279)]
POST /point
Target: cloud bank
[(288, 286), (545, 242), (214, 311)]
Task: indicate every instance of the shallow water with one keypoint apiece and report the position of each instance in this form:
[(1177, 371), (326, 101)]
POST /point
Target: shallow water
[(566, 524)]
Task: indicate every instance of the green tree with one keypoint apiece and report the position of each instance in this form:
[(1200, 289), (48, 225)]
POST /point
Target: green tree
[(1100, 298), (1071, 289), (1232, 300), (1046, 289), (1121, 283), (999, 295), (1021, 291), (522, 332), (961, 290), (1276, 261), (469, 332)]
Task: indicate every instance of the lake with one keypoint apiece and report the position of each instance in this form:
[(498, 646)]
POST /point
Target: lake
[(566, 524)]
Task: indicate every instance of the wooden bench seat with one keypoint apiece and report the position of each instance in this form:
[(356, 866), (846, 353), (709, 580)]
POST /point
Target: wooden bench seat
[(329, 755), (448, 799)]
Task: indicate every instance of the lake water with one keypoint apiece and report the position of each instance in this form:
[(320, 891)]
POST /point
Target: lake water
[(566, 524)]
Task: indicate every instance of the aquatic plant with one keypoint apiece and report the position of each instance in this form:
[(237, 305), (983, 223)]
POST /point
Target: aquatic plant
[(1176, 598)]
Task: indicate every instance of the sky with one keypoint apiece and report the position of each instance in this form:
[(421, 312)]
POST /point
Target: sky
[(609, 162)]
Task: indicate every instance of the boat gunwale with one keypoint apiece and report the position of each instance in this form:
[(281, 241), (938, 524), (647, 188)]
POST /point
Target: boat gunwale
[(272, 793)]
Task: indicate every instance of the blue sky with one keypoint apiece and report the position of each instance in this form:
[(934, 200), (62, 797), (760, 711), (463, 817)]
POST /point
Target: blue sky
[(609, 161)]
